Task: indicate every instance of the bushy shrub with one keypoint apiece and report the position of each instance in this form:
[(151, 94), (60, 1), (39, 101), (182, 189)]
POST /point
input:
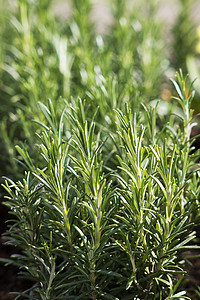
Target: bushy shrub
[(46, 56), (109, 201), (110, 214)]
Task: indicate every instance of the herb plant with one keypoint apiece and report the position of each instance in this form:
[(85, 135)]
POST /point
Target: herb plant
[(48, 57), (109, 202), (87, 230)]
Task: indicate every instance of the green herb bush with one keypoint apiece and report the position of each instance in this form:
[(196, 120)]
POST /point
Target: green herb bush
[(109, 202), (47, 54), (31, 71), (184, 40), (48, 57), (91, 231)]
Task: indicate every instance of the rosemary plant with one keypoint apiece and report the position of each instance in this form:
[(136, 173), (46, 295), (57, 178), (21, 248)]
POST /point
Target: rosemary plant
[(109, 201), (87, 231), (122, 65), (184, 35), (29, 74)]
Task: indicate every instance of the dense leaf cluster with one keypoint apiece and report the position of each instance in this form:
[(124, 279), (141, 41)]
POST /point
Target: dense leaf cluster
[(110, 213), (109, 202)]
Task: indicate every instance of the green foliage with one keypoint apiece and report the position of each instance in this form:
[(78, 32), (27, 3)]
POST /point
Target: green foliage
[(109, 201), (88, 231), (184, 34), (49, 57), (36, 65), (44, 55)]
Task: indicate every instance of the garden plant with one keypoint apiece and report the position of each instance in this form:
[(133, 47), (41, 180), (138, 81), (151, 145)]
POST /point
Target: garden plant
[(103, 193), (95, 224)]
